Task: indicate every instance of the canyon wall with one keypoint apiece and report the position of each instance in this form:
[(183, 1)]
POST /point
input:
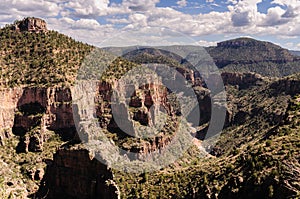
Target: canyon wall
[(8, 104), (37, 110), (30, 112), (76, 174)]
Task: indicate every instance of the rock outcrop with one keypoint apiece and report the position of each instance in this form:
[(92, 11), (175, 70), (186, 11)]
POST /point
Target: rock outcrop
[(31, 111), (75, 174), (242, 80), (141, 107), (8, 100), (31, 24), (287, 85)]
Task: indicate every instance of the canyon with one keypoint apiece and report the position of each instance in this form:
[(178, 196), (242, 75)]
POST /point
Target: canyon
[(42, 119)]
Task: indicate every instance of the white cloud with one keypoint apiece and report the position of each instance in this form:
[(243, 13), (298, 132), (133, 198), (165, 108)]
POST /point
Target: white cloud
[(244, 12), (206, 43), (139, 5), (78, 18), (182, 3), (118, 20), (86, 24), (19, 9), (232, 2), (293, 7), (273, 17), (148, 36), (86, 30), (23, 8), (138, 20), (292, 3), (91, 8)]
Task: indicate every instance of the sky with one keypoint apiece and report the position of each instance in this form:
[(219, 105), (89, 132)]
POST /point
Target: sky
[(163, 22)]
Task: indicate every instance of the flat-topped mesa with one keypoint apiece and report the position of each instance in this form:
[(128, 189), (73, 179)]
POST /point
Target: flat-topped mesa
[(243, 41), (31, 24), (239, 42)]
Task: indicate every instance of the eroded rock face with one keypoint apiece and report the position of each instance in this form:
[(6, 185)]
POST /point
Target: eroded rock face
[(8, 100), (75, 174), (242, 80), (8, 103), (31, 24), (288, 86), (31, 111), (141, 107), (35, 111)]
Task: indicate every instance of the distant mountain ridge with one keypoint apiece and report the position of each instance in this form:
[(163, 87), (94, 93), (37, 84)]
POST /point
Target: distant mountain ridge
[(237, 55), (240, 51), (32, 49), (250, 55), (295, 52)]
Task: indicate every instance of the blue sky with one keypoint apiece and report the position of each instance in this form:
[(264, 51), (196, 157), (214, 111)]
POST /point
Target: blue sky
[(163, 22)]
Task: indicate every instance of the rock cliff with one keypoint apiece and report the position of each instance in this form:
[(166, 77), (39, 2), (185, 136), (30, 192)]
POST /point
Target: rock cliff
[(75, 174), (242, 80), (31, 24), (8, 100), (30, 111)]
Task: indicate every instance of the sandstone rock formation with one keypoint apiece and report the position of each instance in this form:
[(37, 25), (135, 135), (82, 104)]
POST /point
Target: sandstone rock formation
[(141, 108), (74, 174), (8, 100), (288, 86), (31, 24), (32, 111), (242, 80)]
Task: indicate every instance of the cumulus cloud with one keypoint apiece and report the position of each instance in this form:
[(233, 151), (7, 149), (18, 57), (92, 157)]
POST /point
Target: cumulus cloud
[(140, 5), (22, 8), (293, 7), (283, 16), (86, 30), (18, 9), (291, 12), (206, 43), (274, 17), (89, 24), (79, 19), (115, 20), (181, 3), (138, 19), (90, 8), (292, 3), (244, 12)]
